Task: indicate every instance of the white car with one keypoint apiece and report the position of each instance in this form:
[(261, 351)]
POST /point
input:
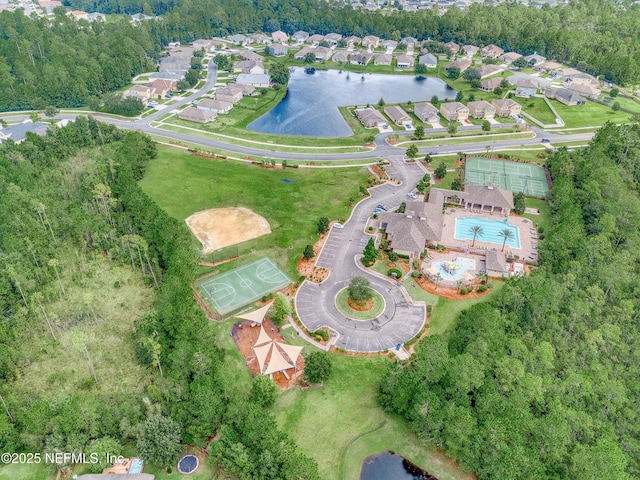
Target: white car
[(339, 226)]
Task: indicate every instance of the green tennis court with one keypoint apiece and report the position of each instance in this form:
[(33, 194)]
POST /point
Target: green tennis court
[(239, 287), (517, 177)]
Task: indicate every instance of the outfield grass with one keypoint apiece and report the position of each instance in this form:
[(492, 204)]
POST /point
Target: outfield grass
[(588, 115), (183, 184), (324, 420)]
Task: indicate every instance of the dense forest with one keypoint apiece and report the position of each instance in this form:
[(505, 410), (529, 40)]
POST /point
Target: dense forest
[(89, 266), (543, 381), (65, 64)]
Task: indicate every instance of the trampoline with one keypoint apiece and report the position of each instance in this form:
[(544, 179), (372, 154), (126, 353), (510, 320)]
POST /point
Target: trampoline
[(188, 464)]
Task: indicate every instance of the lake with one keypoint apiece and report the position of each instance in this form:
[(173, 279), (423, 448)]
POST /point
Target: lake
[(310, 106), (389, 466)]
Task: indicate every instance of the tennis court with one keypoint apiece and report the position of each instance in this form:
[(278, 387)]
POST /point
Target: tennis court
[(517, 177), (239, 287)]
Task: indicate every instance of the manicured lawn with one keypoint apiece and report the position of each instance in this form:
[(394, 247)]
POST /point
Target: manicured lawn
[(479, 138), (344, 307), (591, 114), (183, 184), (445, 313), (324, 420), (541, 220), (627, 103), (538, 109), (16, 471), (418, 293)]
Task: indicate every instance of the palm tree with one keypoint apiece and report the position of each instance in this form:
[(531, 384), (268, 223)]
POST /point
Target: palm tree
[(506, 234), (438, 277), (476, 231)]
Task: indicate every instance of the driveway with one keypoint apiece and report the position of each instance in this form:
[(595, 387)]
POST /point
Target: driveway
[(402, 319)]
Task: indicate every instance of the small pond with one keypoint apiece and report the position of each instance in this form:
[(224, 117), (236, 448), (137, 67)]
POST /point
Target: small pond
[(310, 107), (389, 466)]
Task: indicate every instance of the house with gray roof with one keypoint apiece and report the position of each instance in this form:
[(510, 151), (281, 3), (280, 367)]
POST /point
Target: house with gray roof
[(315, 39), (230, 94), (383, 59), (239, 39), (340, 56), (405, 61), (199, 115), (361, 58), (300, 36), (426, 112), (370, 117), (258, 80), (526, 87), (585, 90), (490, 84), (534, 59), (322, 53), (429, 60), (410, 232), (214, 105), (300, 54), (389, 45), (397, 115), (491, 51), (249, 55), (353, 41), (176, 76), (461, 64), (509, 57), (260, 38), (18, 132), (495, 263), (409, 41), (280, 37), (277, 50), (333, 38), (470, 50), (566, 96), (488, 70)]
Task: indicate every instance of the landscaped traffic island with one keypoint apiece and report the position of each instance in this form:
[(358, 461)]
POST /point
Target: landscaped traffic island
[(367, 311)]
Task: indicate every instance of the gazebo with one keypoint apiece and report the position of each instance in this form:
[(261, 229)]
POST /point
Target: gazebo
[(274, 356)]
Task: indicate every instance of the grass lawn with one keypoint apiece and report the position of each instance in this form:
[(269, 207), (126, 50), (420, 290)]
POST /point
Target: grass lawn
[(183, 184), (418, 294), (445, 313), (627, 103), (541, 220), (17, 471), (590, 114), (344, 307), (538, 109), (324, 420), (479, 138)]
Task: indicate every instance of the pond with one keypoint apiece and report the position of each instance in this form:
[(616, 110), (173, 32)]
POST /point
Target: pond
[(310, 107), (389, 466)]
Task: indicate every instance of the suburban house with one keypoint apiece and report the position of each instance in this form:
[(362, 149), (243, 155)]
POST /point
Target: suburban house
[(568, 72), (488, 70), (248, 66), (207, 45), (249, 55), (143, 92), (495, 263), (230, 94), (370, 41), (404, 61), (161, 88), (420, 225), (461, 64), (383, 59), (315, 39), (490, 84), (481, 109), (361, 58), (79, 15), (214, 105), (18, 132), (397, 115), (582, 79), (333, 38), (175, 64), (547, 67), (588, 91), (340, 56), (277, 50), (566, 96), (535, 59), (426, 112), (410, 41), (526, 87), (454, 47), (470, 50), (429, 60), (454, 111), (509, 57), (260, 38), (491, 51), (258, 80), (322, 53), (389, 45), (280, 37), (193, 114), (239, 39), (300, 36), (370, 117), (352, 41), (247, 90), (176, 76), (505, 107), (96, 17), (300, 54)]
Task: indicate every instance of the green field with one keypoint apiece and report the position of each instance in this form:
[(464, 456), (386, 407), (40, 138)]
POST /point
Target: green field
[(538, 109), (590, 114), (183, 184)]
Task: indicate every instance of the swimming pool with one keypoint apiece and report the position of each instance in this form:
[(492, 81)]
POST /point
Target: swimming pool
[(490, 230), (136, 466), (454, 269)]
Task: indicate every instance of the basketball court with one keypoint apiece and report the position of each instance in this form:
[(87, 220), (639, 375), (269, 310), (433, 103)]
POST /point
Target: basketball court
[(239, 287), (517, 177)]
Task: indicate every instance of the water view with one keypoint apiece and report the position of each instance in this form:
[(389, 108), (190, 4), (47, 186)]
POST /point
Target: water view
[(310, 107), (389, 466)]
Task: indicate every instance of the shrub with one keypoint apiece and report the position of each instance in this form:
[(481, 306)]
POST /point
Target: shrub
[(463, 291), (470, 289), (393, 257), (416, 263), (394, 272), (317, 367), (481, 288), (416, 274), (323, 334)]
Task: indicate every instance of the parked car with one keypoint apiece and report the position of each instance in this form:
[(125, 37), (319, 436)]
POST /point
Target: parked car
[(545, 140), (339, 226), (412, 195), (382, 207)]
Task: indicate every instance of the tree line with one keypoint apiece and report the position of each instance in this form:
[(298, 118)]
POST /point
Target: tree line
[(542, 382), (75, 192)]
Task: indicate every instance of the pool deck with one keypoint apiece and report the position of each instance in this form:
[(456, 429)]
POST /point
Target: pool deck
[(528, 235)]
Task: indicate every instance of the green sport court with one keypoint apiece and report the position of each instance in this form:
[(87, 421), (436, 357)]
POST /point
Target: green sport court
[(517, 177), (239, 287)]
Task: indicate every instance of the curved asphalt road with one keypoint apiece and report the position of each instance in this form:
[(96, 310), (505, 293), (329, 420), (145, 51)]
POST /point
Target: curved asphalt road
[(402, 319)]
